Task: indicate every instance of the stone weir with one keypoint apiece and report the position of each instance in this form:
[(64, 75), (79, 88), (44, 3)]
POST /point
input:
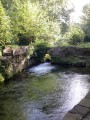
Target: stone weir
[(81, 111), (73, 56), (14, 61)]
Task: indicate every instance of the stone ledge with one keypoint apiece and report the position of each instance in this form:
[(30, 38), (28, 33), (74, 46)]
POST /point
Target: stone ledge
[(88, 95), (85, 102), (81, 111), (78, 109), (71, 116), (87, 117)]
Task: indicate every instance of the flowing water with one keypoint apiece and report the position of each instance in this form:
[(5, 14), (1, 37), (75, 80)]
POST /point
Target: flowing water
[(43, 92)]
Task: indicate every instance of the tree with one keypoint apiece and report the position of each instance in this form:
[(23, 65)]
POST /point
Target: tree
[(57, 11), (75, 35), (65, 19), (27, 19), (45, 19), (5, 30), (86, 21)]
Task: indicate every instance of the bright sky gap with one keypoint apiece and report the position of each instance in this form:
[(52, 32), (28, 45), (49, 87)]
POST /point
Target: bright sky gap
[(78, 6)]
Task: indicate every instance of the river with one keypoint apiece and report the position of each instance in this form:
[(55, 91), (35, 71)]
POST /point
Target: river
[(43, 92)]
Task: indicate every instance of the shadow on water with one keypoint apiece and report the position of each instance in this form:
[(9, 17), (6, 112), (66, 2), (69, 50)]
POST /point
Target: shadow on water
[(44, 92)]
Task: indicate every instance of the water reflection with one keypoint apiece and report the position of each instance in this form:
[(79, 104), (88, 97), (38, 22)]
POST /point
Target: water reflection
[(77, 88), (64, 91)]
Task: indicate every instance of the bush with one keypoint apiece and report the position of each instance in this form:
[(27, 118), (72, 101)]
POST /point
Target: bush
[(75, 35), (5, 30), (1, 78), (47, 57)]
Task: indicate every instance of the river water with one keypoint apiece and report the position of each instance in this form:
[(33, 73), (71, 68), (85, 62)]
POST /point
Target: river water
[(43, 92)]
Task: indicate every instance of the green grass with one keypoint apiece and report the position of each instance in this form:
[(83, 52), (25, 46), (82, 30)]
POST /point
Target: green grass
[(13, 46), (84, 45)]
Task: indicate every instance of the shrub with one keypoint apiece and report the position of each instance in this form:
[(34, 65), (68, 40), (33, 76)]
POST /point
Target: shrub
[(47, 57), (1, 78), (75, 35), (5, 30)]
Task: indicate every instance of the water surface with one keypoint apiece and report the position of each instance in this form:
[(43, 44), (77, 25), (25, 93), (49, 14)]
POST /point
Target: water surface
[(43, 92)]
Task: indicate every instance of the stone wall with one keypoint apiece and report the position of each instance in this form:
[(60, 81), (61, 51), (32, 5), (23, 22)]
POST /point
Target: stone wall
[(74, 56), (15, 62)]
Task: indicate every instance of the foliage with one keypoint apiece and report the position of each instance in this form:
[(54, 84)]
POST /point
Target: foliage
[(47, 57), (5, 33), (65, 18), (75, 35), (86, 21), (42, 18), (41, 49), (27, 18), (1, 78), (31, 20)]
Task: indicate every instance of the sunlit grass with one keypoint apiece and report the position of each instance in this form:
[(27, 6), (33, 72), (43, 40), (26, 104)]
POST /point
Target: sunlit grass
[(84, 45), (13, 46)]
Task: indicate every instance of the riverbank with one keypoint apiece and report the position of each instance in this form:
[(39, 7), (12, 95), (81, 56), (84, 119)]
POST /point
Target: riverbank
[(70, 56), (81, 111), (19, 59), (13, 61)]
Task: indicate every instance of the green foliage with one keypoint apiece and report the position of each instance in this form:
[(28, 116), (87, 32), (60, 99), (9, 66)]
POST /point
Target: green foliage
[(47, 57), (28, 19), (86, 21), (75, 35), (41, 49), (36, 18), (1, 78), (5, 33)]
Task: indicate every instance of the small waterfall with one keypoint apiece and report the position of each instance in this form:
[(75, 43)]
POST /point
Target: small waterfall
[(42, 68)]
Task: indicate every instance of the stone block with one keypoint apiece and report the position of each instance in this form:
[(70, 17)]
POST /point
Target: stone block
[(85, 102), (87, 117), (72, 116), (78, 109), (88, 95)]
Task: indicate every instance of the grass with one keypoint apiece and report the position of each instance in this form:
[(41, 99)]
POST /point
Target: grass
[(84, 45), (13, 46)]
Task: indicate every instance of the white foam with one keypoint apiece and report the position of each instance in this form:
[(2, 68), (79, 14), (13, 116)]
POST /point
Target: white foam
[(42, 68)]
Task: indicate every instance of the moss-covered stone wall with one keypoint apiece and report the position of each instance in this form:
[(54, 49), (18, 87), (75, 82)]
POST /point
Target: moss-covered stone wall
[(11, 65), (79, 57)]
